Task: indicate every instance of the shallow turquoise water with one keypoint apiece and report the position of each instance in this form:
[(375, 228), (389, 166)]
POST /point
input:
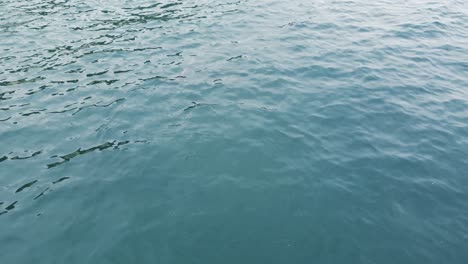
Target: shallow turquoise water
[(233, 132)]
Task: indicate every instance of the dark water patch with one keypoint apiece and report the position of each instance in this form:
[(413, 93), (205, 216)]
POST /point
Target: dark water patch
[(63, 111), (142, 7), (235, 58), (175, 54), (99, 105), (27, 185), (195, 104), (60, 180), (122, 143), (68, 157), (157, 77), (31, 92), (79, 152), (21, 81), (11, 206), (33, 112), (26, 157), (147, 48), (108, 82), (96, 73), (121, 71), (2, 95), (170, 5), (41, 193), (79, 70)]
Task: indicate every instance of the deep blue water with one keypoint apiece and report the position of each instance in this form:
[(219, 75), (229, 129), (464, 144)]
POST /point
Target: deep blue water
[(233, 131)]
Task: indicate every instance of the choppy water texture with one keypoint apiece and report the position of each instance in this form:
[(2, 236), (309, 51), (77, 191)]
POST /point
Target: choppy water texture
[(233, 131)]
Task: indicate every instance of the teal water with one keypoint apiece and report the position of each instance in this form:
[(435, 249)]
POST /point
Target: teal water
[(233, 131)]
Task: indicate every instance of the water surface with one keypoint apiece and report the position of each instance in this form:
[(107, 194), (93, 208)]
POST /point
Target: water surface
[(233, 131)]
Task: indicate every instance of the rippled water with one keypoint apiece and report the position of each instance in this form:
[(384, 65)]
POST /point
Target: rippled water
[(233, 132)]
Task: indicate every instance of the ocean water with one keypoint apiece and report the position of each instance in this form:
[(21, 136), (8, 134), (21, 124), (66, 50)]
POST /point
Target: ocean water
[(246, 131)]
